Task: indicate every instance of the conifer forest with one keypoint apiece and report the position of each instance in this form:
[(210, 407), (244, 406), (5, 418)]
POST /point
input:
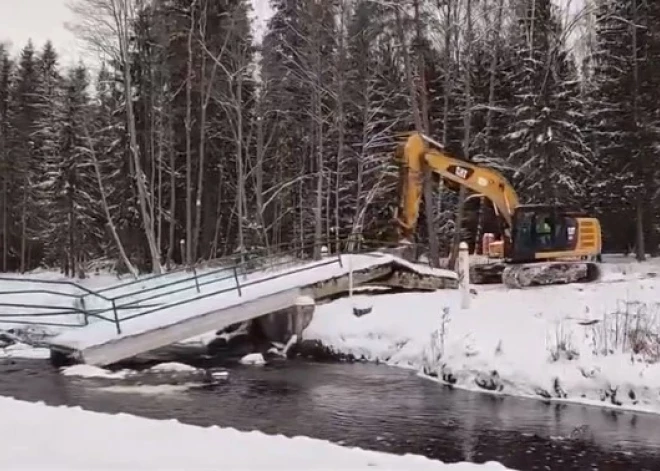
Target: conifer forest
[(189, 139)]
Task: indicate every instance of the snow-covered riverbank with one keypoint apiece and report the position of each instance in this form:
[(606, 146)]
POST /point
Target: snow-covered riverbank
[(71, 438), (596, 343)]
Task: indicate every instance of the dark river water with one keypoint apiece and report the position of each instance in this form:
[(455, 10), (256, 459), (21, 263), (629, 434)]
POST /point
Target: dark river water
[(373, 407)]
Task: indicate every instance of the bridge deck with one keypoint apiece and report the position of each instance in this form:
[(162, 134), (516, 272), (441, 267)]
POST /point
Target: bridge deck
[(224, 303)]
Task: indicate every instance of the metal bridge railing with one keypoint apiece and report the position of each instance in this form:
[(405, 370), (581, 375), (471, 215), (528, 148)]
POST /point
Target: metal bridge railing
[(148, 295)]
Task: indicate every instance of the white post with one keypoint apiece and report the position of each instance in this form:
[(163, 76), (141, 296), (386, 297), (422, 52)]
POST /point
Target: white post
[(464, 274), (350, 278)]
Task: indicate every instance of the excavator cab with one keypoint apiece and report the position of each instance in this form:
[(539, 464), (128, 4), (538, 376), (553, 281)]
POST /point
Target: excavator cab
[(540, 232)]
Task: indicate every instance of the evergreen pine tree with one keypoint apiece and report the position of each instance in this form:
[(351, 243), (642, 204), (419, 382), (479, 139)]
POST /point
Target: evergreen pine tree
[(548, 148), (7, 170), (624, 102), (48, 164), (24, 158)]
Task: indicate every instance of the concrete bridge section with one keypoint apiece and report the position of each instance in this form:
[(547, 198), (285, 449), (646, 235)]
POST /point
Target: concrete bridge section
[(260, 294)]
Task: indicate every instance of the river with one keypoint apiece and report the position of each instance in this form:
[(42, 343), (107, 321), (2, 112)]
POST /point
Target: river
[(373, 407)]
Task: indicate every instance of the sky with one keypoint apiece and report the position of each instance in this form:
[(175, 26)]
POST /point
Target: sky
[(40, 20)]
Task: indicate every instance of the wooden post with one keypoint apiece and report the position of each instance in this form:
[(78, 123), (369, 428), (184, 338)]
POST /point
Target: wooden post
[(350, 278), (464, 274)]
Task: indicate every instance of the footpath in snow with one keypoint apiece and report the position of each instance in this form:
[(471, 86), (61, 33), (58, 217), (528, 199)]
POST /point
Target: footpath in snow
[(590, 343), (36, 436)]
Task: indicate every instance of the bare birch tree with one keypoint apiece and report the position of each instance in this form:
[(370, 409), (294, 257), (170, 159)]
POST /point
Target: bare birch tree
[(434, 249), (107, 25), (490, 112), (91, 150), (467, 129)]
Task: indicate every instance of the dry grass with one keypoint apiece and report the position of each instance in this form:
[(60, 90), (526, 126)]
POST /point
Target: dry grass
[(435, 350), (560, 345), (632, 328)]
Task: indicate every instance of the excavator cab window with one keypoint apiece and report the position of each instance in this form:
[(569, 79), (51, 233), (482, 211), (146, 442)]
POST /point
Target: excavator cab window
[(523, 234), (538, 230), (544, 231), (526, 232)]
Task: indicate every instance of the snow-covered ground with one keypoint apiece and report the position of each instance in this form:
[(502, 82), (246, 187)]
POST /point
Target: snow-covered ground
[(592, 343), (71, 438), (596, 343)]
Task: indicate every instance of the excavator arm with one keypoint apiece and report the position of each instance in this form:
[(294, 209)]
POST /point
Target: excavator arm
[(417, 152)]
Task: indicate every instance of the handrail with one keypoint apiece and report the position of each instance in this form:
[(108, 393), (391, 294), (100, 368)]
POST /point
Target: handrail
[(231, 258), (112, 306), (238, 287), (51, 282), (227, 290)]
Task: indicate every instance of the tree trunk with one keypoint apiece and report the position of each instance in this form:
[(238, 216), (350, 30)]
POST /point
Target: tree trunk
[(5, 193), (5, 223), (318, 111), (205, 96), (341, 124), (427, 181), (172, 159), (239, 161), (188, 125), (640, 249), (71, 262), (159, 179), (467, 125), (494, 62), (24, 226), (106, 207), (434, 254), (259, 175), (123, 24)]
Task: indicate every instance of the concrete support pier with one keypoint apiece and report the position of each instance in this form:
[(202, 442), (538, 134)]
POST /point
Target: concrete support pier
[(280, 326)]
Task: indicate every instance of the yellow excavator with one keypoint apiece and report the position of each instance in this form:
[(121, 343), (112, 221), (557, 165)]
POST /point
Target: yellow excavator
[(539, 244)]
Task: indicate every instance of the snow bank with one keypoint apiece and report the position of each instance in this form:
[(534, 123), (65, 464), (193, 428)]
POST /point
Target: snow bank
[(253, 359), (23, 351), (173, 367), (128, 442), (595, 343), (89, 371), (148, 389)]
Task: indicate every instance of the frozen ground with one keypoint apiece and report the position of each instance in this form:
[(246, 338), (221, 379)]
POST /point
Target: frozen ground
[(596, 343), (71, 438)]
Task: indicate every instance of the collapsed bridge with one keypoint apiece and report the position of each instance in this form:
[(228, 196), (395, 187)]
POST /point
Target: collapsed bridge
[(130, 319)]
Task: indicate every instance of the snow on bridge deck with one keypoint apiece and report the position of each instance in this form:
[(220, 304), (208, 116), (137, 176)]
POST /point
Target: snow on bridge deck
[(227, 301)]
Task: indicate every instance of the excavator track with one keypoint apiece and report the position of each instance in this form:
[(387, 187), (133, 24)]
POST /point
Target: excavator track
[(550, 273), (487, 273)]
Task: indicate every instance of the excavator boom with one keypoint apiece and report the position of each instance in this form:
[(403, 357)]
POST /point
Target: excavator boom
[(416, 153)]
